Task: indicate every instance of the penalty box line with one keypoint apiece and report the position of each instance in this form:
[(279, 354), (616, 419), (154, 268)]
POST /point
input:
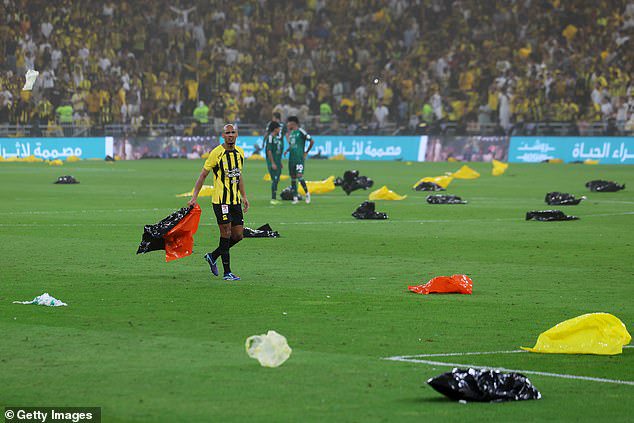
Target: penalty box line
[(419, 360)]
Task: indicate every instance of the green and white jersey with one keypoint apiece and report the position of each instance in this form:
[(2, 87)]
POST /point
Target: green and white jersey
[(276, 146), (297, 144), (282, 133)]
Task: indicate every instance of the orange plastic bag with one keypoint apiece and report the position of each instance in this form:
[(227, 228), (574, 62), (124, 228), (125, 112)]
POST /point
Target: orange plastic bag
[(458, 284), (179, 241)]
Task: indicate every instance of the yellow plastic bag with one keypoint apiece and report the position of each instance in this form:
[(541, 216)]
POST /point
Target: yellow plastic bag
[(443, 181), (338, 157), (591, 162), (452, 160), (205, 191), (499, 168), (56, 162), (384, 193), (465, 172), (319, 187), (255, 157), (271, 350), (283, 177), (1, 159), (72, 159), (593, 333)]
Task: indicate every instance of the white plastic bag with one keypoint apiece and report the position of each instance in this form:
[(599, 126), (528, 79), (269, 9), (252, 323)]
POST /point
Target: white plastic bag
[(31, 76), (271, 350)]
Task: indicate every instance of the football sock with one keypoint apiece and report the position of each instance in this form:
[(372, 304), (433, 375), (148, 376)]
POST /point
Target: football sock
[(303, 182), (223, 245), (234, 242), (294, 186), (274, 181)]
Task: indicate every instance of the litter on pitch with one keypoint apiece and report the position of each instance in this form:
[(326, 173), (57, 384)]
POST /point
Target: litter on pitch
[(67, 179), (428, 186), (445, 199), (549, 216), (454, 284), (56, 162), (562, 199), (264, 231), (205, 191), (498, 167), (319, 187), (283, 177), (45, 300), (367, 211), (384, 193), (174, 234), (604, 186), (443, 181), (465, 172), (593, 333), (270, 349), (287, 194), (352, 181), (31, 76), (72, 159), (481, 385)]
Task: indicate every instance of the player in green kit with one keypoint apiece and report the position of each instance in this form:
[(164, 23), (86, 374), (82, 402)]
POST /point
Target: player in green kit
[(273, 147), (297, 138)]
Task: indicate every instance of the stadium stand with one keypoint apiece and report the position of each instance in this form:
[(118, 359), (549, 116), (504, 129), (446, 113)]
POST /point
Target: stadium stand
[(359, 66)]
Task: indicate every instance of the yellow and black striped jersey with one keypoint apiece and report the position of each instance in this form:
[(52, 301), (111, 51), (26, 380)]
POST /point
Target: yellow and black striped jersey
[(226, 167)]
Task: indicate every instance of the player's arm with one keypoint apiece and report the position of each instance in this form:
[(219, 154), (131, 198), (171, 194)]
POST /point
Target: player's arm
[(243, 194), (198, 187), (310, 146)]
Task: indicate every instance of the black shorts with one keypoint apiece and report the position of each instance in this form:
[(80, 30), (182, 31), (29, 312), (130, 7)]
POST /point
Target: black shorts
[(229, 213)]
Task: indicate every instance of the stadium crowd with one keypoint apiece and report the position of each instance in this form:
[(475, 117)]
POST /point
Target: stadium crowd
[(351, 64)]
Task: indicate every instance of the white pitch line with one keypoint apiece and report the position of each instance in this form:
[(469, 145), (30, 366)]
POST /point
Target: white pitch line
[(417, 359), (528, 372)]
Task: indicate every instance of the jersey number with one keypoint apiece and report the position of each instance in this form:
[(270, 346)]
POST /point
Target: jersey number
[(299, 168)]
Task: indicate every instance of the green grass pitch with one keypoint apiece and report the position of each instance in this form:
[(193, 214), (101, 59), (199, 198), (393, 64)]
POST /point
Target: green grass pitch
[(151, 341)]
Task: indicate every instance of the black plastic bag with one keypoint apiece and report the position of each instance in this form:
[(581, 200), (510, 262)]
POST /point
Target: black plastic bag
[(366, 211), (152, 239), (66, 180), (428, 186), (352, 181), (604, 186), (549, 215), (483, 385), (264, 231), (562, 199), (287, 194), (445, 199)]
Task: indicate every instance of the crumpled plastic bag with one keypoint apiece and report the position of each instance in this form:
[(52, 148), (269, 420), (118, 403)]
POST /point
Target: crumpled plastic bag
[(31, 76), (271, 350), (445, 199), (454, 284), (554, 161), (465, 172), (56, 162), (562, 199), (283, 177), (264, 231), (318, 187), (498, 167), (549, 216), (604, 186), (482, 385), (337, 157), (72, 159), (205, 191), (428, 186), (593, 333), (443, 181), (367, 211), (384, 193), (174, 234), (67, 179), (287, 194), (45, 299), (352, 181)]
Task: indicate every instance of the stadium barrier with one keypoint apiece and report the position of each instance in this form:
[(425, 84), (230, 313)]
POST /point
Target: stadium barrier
[(57, 148), (607, 150)]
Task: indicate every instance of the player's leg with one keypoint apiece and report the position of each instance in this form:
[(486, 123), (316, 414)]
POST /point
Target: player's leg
[(293, 173), (236, 233), (224, 225), (275, 179), (300, 177)]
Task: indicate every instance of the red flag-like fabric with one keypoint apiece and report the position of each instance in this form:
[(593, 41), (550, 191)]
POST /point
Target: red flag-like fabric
[(179, 241), (458, 284)]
